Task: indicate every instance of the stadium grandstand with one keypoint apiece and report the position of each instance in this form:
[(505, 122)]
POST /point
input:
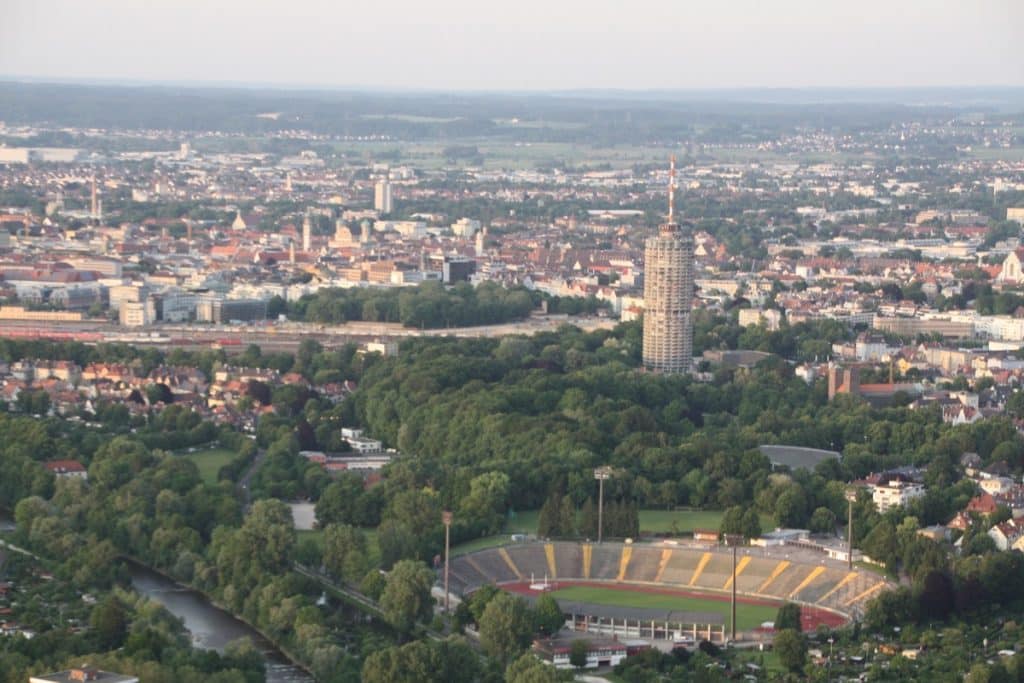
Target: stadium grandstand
[(766, 576)]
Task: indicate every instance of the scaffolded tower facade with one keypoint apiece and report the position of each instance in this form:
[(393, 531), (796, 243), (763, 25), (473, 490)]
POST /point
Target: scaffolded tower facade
[(668, 295)]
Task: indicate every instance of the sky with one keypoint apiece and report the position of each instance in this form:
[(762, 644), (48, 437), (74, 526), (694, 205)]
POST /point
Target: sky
[(519, 44)]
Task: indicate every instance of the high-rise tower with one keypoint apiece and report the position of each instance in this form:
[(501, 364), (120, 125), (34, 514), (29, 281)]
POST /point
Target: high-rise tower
[(307, 233), (668, 293), (382, 197)]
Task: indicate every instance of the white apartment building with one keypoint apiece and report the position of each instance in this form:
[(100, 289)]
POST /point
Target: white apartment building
[(895, 493), (465, 227), (403, 228)]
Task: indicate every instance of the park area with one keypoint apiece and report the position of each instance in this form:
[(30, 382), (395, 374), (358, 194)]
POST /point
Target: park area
[(209, 461)]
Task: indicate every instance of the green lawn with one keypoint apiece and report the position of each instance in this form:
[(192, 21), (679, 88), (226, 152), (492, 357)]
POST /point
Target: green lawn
[(524, 522), (660, 521), (481, 544), (747, 616), (651, 521), (210, 461), (315, 535)]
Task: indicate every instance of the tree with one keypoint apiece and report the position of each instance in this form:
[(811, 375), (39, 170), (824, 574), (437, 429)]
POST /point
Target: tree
[(488, 496), (373, 584), (159, 393), (566, 517), (457, 661), (578, 653), (505, 627), (109, 623), (823, 521), (548, 518), (269, 534), (529, 669), (732, 521), (344, 551), (788, 617), (548, 618), (791, 649), (751, 524), (880, 544), (447, 661), (890, 608), (588, 519), (479, 600), (937, 596), (340, 501), (790, 507), (1015, 404), (258, 391), (397, 542), (406, 597)]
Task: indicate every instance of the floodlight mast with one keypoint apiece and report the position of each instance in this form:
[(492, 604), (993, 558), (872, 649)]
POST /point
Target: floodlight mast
[(601, 474), (733, 540), (446, 519)]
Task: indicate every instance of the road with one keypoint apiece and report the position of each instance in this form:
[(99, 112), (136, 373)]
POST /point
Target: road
[(350, 593), (246, 479)]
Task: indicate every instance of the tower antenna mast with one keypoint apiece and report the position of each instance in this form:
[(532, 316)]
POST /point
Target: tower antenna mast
[(672, 189)]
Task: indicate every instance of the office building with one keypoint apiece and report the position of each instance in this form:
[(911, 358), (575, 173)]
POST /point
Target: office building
[(457, 269), (137, 313), (668, 295), (213, 309)]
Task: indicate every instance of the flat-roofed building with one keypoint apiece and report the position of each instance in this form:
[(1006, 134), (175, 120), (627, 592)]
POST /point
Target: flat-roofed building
[(83, 674)]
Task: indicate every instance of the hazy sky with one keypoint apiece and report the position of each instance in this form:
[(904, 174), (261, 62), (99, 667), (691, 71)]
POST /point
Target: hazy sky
[(519, 44)]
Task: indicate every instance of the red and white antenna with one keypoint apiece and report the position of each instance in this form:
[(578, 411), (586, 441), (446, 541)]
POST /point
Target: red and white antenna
[(672, 188)]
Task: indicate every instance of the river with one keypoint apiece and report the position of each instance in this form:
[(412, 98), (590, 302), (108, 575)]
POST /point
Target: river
[(211, 628)]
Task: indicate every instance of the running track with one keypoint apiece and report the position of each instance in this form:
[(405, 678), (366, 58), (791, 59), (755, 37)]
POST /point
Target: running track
[(811, 617)]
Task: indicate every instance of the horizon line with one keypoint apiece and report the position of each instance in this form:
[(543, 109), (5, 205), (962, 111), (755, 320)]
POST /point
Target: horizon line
[(399, 89)]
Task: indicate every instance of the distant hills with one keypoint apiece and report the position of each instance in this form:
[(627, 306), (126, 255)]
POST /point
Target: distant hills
[(605, 117)]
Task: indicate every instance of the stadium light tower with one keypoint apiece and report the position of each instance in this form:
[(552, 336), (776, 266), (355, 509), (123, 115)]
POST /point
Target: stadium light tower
[(733, 540), (851, 498), (446, 518), (601, 473)]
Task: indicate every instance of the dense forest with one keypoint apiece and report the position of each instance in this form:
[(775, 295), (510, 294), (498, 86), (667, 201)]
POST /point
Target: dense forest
[(429, 305)]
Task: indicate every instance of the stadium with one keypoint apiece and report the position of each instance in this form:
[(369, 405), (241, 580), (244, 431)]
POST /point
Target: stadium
[(670, 591)]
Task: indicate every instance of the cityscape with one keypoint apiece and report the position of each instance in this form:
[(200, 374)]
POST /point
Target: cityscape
[(475, 381)]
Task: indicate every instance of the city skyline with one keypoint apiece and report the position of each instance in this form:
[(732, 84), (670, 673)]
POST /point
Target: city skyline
[(457, 45)]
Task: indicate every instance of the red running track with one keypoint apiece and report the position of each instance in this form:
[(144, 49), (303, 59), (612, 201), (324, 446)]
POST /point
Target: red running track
[(811, 617)]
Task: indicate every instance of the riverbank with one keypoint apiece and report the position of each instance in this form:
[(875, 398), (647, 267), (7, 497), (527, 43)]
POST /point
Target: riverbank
[(209, 622)]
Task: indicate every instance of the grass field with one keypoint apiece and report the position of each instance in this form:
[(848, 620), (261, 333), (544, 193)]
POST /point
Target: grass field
[(210, 461), (660, 521), (748, 617), (481, 544), (652, 521)]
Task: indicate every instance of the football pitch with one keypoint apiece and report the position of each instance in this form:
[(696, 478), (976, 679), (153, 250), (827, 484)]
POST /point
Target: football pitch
[(748, 616)]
